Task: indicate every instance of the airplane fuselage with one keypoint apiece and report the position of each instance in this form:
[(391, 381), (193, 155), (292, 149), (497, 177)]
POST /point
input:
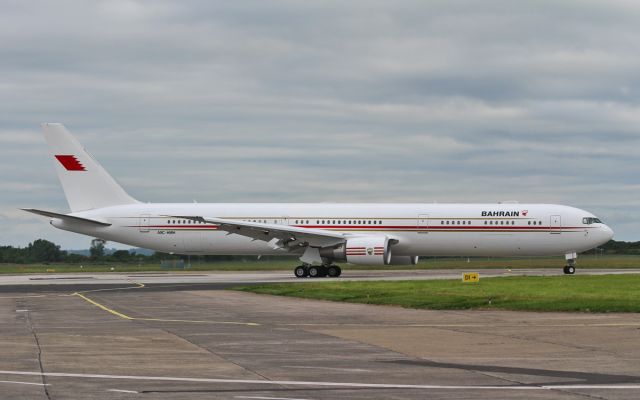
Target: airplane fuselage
[(420, 229)]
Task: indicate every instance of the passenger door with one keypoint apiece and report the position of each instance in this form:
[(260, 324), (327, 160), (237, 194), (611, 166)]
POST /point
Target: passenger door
[(144, 222), (423, 223), (555, 224)]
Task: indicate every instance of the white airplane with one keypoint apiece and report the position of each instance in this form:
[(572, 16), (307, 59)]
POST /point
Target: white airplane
[(319, 234)]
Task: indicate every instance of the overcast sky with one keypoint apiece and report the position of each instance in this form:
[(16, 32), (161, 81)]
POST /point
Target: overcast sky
[(298, 101)]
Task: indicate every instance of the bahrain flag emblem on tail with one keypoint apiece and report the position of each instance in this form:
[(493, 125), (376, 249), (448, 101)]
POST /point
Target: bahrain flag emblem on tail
[(70, 162)]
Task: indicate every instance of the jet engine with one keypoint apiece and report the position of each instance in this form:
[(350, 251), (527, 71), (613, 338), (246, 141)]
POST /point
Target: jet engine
[(404, 260), (370, 250)]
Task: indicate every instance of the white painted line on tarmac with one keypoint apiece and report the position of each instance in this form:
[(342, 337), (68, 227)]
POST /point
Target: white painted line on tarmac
[(324, 384), (268, 398), (327, 368), (122, 391), (25, 383)]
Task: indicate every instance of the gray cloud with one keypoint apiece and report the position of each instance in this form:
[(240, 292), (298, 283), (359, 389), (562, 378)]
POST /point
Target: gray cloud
[(296, 101)]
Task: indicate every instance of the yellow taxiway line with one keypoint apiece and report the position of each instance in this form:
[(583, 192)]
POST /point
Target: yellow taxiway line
[(130, 318)]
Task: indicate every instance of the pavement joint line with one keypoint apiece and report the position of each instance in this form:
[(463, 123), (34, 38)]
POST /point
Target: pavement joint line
[(127, 317), (621, 386)]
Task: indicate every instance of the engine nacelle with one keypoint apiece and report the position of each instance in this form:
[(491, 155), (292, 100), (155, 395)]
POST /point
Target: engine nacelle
[(404, 260), (370, 250)]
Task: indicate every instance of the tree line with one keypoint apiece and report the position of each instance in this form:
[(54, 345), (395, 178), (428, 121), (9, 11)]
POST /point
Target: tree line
[(44, 251)]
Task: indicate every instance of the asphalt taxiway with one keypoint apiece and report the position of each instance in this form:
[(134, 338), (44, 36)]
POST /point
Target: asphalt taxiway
[(165, 340)]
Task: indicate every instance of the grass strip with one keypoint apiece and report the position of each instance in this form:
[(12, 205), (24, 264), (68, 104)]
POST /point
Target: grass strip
[(603, 293)]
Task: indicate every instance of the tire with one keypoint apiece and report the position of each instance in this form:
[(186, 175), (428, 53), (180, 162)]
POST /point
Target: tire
[(333, 271), (569, 270), (301, 272), (314, 272)]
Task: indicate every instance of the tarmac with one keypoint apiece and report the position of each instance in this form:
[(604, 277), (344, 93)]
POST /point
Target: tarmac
[(161, 336)]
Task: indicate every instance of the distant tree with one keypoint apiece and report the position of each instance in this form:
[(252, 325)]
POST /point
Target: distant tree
[(121, 255), (44, 251), (97, 248)]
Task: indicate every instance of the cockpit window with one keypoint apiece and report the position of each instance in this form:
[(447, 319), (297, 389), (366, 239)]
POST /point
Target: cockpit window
[(590, 220)]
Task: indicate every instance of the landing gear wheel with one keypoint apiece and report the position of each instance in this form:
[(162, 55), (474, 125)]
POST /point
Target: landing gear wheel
[(569, 270), (301, 271), (314, 272), (333, 271)]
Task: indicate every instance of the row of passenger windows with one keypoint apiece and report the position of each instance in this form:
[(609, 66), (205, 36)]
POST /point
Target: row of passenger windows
[(373, 222), (342, 222), (502, 222), (183, 221), (324, 221)]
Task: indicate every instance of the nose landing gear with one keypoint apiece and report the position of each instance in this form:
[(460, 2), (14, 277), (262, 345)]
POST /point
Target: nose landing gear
[(570, 268), (311, 271)]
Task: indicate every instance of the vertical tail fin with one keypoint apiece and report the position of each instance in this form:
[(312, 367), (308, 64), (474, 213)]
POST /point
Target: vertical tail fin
[(86, 184)]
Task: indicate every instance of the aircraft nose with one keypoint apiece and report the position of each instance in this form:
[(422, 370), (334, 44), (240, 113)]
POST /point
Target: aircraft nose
[(608, 232)]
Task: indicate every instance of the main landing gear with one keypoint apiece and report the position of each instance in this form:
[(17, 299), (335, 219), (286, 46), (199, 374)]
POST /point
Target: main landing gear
[(312, 271)]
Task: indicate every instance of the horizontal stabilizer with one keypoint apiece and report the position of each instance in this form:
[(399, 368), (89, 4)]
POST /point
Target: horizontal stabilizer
[(65, 217)]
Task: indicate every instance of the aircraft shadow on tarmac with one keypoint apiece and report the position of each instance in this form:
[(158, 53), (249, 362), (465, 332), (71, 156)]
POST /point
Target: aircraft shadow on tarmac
[(590, 378)]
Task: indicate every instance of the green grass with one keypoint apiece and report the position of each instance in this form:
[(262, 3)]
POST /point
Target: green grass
[(584, 261), (605, 293)]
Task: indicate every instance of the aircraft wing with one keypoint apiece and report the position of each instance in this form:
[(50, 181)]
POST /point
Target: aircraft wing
[(280, 236)]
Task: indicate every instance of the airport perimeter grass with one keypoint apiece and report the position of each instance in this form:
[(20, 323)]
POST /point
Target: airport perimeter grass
[(604, 293), (584, 261)]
